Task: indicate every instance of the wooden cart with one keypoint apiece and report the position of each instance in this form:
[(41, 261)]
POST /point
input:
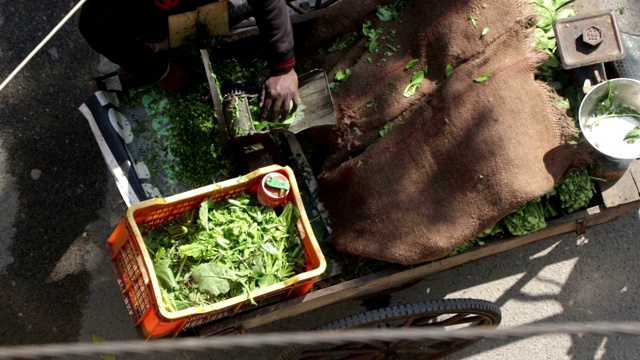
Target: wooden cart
[(618, 198)]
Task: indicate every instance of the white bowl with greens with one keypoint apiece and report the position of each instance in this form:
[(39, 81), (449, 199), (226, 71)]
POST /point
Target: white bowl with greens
[(610, 118)]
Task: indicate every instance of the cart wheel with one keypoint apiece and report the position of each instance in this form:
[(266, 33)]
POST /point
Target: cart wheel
[(451, 314)]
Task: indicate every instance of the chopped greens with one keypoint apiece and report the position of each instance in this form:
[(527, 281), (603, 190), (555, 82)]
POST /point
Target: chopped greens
[(372, 35), (448, 70), (342, 75), (385, 130), (339, 45), (482, 78), (412, 63), (223, 249), (415, 83), (474, 21), (339, 77), (390, 12)]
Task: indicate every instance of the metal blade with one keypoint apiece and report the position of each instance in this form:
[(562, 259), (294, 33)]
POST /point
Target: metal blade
[(316, 104)]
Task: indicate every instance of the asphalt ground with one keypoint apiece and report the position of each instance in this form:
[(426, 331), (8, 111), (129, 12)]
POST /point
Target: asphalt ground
[(59, 204)]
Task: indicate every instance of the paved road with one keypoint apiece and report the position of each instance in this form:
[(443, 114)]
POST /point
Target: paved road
[(59, 205)]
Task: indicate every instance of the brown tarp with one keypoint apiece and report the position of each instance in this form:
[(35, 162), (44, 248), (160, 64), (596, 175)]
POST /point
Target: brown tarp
[(461, 154)]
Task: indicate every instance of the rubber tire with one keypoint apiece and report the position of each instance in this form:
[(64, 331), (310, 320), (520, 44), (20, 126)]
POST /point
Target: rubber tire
[(239, 14), (434, 307)]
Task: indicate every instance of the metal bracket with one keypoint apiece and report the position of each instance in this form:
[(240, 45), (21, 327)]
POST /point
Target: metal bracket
[(580, 227)]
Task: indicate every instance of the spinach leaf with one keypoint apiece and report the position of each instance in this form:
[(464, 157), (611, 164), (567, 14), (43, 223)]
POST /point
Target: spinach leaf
[(212, 278)]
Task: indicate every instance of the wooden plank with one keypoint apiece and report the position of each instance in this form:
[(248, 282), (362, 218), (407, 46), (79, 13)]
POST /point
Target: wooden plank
[(379, 282), (623, 190), (634, 169), (214, 16), (217, 104), (316, 104)]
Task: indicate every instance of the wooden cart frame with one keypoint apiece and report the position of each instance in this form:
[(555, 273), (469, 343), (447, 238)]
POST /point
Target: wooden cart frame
[(618, 198)]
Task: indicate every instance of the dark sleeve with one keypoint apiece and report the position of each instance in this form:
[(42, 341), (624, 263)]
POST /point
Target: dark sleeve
[(274, 24)]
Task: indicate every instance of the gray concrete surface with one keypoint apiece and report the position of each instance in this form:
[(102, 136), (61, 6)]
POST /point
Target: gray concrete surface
[(58, 205)]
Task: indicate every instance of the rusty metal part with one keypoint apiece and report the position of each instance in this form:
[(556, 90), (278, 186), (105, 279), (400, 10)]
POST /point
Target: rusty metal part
[(588, 40), (592, 35), (580, 227)]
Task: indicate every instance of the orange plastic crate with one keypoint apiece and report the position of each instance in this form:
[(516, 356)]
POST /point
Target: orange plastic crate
[(134, 269)]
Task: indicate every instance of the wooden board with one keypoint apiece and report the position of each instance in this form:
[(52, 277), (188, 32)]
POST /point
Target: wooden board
[(214, 16), (217, 105), (623, 190)]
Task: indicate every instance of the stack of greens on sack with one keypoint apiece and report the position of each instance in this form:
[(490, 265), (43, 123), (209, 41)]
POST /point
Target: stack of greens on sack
[(224, 249), (577, 189), (446, 148)]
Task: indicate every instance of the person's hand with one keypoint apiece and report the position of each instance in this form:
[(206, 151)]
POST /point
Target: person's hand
[(278, 93), (175, 80)]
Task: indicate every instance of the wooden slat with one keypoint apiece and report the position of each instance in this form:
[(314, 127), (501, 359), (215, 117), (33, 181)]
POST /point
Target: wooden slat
[(623, 190), (217, 104), (634, 169), (183, 26)]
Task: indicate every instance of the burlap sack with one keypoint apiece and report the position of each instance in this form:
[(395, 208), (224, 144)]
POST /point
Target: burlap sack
[(462, 154)]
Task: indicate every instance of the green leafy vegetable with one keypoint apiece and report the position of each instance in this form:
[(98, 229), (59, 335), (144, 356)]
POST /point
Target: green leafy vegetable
[(243, 247), (339, 77), (527, 219), (485, 31), (213, 279), (339, 45), (547, 12), (575, 191), (633, 135), (448, 70), (482, 78), (415, 83), (385, 130), (165, 275), (372, 35), (474, 21), (390, 12), (412, 63)]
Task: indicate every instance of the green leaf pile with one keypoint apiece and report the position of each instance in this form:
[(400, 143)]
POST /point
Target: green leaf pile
[(527, 219), (222, 250), (575, 191)]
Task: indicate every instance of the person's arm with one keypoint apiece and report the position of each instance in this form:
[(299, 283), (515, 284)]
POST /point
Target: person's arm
[(281, 88)]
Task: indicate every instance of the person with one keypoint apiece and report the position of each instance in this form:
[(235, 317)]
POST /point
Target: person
[(134, 34)]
